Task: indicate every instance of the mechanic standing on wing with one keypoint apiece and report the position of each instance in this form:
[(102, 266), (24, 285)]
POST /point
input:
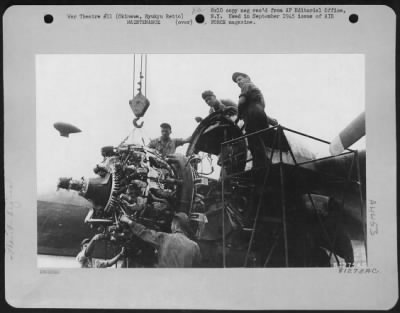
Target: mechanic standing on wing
[(166, 145), (251, 110), (175, 249)]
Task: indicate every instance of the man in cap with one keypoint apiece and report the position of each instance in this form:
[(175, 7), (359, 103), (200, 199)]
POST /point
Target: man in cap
[(222, 105), (84, 257), (251, 110), (166, 145), (175, 249)]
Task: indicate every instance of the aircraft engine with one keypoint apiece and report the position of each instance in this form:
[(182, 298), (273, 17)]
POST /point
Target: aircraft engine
[(136, 181)]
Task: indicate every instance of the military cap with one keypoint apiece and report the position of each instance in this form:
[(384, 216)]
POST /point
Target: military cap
[(206, 94), (165, 125), (236, 74)]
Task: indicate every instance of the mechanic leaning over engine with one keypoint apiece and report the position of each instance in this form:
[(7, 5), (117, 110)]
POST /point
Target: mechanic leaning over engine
[(226, 106), (166, 145), (175, 249)]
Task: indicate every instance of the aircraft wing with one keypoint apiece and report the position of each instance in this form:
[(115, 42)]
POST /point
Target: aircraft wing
[(61, 227)]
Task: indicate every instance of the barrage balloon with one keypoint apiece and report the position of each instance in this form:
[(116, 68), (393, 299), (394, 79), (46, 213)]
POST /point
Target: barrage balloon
[(65, 128)]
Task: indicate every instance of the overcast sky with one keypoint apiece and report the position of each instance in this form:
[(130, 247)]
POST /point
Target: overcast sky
[(315, 94)]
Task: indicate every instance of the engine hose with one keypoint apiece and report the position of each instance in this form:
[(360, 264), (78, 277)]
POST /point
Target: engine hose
[(165, 201), (161, 162), (127, 158), (123, 211)]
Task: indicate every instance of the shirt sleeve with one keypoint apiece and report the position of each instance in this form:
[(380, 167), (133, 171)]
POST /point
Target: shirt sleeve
[(179, 142), (232, 106), (228, 103), (151, 236)]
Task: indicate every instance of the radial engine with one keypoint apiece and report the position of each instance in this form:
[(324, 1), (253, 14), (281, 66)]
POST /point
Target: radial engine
[(136, 181)]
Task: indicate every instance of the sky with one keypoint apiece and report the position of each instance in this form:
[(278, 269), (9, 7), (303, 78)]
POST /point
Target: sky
[(318, 94)]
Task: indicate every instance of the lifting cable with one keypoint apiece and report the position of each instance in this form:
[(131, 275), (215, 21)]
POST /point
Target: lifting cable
[(142, 97), (145, 75), (134, 72), (141, 73)]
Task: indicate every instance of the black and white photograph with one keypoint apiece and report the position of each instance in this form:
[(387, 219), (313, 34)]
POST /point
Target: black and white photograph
[(219, 157), (200, 160)]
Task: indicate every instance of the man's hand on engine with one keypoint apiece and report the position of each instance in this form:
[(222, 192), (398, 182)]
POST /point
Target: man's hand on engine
[(125, 219), (124, 197)]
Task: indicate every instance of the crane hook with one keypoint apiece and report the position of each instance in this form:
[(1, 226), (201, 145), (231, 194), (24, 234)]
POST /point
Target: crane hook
[(136, 124)]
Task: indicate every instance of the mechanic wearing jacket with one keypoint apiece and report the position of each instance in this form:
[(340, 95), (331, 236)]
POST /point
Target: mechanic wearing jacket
[(216, 105), (175, 249), (251, 110)]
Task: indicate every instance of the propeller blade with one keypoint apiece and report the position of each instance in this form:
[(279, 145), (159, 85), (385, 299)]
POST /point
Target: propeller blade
[(349, 135)]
